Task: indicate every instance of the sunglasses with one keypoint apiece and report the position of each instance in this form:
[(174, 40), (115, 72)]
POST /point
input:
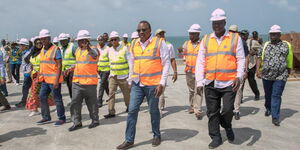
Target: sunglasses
[(113, 40), (140, 30)]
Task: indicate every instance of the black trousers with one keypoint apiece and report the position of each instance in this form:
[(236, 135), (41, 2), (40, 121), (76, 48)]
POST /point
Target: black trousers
[(68, 80), (252, 81), (216, 118), (103, 85)]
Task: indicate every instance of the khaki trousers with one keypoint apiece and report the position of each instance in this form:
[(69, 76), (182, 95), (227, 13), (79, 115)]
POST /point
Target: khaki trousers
[(239, 97), (194, 99), (113, 85)]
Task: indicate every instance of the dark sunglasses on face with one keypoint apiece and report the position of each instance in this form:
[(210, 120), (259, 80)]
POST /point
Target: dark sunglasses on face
[(113, 40), (139, 30)]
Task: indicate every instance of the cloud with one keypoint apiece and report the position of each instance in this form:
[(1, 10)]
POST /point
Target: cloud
[(180, 5), (284, 4)]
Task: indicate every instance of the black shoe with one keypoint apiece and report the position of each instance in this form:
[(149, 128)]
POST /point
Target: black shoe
[(237, 115), (267, 113), (109, 116), (230, 135), (7, 107), (21, 104), (256, 97), (93, 125), (75, 127), (215, 143), (276, 122)]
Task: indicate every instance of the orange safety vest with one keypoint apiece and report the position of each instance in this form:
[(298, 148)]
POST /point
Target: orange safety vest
[(48, 67), (220, 60), (86, 68), (191, 56), (147, 64)]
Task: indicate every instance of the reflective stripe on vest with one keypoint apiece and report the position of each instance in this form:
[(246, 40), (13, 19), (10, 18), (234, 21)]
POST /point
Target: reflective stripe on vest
[(68, 58), (35, 61), (85, 71), (191, 56), (147, 63), (103, 63), (48, 67), (119, 64), (220, 60)]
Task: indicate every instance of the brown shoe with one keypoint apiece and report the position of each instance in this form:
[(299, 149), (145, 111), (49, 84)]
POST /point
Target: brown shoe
[(10, 81), (5, 108), (125, 145), (191, 111), (199, 115), (156, 141)]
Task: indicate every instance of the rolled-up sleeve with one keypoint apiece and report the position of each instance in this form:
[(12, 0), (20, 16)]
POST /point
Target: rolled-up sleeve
[(199, 75), (165, 60)]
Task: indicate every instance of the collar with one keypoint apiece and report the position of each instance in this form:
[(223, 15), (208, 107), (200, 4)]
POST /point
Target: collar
[(213, 35), (147, 41)]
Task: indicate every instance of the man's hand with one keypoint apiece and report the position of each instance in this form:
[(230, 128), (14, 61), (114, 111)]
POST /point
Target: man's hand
[(246, 75), (180, 49), (174, 78), (200, 90), (236, 84), (158, 91), (55, 85), (258, 74)]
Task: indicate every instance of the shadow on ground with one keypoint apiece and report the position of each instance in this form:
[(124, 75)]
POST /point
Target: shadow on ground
[(286, 113), (173, 134), (244, 111), (34, 131), (244, 134)]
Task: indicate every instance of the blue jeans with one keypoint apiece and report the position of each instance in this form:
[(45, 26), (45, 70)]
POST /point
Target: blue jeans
[(273, 92), (25, 89), (15, 71), (46, 89), (137, 95)]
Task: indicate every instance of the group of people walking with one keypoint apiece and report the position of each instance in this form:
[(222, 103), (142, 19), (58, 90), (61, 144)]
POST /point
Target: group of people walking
[(216, 68)]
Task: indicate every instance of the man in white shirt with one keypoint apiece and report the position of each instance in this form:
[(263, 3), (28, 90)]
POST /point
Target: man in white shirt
[(220, 67), (150, 61)]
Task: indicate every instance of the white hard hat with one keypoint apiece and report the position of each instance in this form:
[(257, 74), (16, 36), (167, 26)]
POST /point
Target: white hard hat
[(23, 41), (195, 28), (275, 29), (68, 35), (55, 40), (63, 36), (159, 30), (217, 15), (134, 35), (125, 35), (44, 33), (233, 28), (83, 34), (113, 34)]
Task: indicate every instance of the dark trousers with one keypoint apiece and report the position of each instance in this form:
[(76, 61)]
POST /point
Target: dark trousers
[(103, 85), (3, 100), (3, 89), (87, 93), (68, 80), (252, 81), (15, 71), (25, 89), (273, 92), (213, 98), (46, 89)]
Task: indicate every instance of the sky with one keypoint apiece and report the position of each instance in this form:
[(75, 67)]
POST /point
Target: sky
[(27, 17)]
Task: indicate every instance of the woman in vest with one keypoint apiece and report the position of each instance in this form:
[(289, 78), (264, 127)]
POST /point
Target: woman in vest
[(15, 56), (33, 100)]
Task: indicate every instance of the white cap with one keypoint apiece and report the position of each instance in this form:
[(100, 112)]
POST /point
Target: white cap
[(217, 15), (233, 28), (195, 28), (275, 29), (55, 40), (23, 41), (125, 35), (159, 30), (83, 34), (113, 34), (44, 33), (63, 36), (134, 35)]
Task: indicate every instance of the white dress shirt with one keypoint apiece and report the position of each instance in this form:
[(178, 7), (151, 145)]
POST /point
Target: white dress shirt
[(112, 54), (171, 50), (240, 56), (165, 61)]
